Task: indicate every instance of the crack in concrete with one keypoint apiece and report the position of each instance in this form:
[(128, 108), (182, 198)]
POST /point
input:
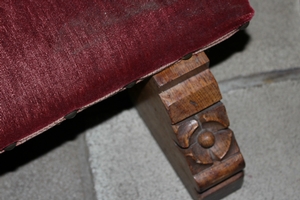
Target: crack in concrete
[(257, 80)]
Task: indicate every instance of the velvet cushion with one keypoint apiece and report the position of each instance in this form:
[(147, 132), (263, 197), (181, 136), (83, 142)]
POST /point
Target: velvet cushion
[(57, 56)]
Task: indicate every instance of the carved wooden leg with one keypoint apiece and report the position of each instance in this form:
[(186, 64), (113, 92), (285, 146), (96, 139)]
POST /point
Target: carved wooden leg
[(181, 106)]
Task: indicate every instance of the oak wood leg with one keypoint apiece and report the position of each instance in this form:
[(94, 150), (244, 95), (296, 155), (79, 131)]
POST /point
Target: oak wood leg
[(181, 107)]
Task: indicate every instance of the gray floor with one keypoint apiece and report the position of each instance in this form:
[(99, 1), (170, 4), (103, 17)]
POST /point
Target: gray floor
[(107, 153)]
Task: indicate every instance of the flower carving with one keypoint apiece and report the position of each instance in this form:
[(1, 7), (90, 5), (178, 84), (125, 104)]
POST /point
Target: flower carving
[(206, 137), (210, 146)]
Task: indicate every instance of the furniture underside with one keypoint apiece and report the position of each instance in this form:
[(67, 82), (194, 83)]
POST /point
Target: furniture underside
[(58, 58)]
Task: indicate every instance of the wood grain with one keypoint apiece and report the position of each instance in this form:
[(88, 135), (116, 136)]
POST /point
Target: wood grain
[(180, 71), (151, 109), (224, 188), (191, 96)]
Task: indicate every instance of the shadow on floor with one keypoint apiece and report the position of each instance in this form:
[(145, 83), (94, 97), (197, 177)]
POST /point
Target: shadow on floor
[(68, 130), (228, 48)]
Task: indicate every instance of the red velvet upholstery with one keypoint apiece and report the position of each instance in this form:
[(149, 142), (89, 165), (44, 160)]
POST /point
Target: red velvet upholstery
[(57, 56)]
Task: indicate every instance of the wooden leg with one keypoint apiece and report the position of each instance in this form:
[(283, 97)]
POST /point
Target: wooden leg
[(181, 106)]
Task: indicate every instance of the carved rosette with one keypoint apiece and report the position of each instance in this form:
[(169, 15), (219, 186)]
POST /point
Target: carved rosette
[(206, 140), (210, 146)]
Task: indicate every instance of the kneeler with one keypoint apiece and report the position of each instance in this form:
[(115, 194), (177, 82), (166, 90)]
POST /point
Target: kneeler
[(58, 57)]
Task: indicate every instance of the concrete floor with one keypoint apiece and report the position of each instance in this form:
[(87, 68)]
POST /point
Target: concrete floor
[(107, 153)]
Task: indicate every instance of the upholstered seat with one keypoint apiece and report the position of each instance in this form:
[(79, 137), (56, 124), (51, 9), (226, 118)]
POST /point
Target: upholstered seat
[(57, 57)]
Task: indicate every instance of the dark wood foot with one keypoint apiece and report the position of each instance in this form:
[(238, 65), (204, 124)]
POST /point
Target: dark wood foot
[(181, 106)]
